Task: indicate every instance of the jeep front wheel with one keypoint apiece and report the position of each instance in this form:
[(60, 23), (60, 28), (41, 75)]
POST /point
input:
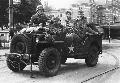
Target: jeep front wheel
[(49, 62), (92, 58)]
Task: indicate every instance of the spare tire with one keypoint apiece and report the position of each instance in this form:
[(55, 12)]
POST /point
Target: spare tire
[(49, 62), (14, 63), (20, 44)]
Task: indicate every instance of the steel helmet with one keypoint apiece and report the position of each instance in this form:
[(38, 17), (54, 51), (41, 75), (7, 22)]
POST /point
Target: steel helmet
[(39, 7)]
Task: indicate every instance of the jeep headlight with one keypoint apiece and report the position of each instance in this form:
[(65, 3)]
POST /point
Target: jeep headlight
[(37, 39), (40, 37)]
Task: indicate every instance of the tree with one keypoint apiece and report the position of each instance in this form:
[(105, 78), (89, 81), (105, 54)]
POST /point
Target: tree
[(47, 8), (22, 12), (3, 12), (85, 4), (75, 5)]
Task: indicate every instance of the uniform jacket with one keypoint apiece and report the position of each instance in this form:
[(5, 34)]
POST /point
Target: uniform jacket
[(37, 19)]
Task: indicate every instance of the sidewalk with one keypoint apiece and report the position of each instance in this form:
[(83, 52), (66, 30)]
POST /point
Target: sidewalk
[(113, 26), (3, 51), (112, 41)]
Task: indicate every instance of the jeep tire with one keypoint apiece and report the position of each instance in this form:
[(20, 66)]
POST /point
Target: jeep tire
[(20, 44), (15, 64), (92, 58), (49, 62)]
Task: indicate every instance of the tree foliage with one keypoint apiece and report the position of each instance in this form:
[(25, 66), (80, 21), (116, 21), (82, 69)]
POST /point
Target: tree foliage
[(79, 4), (22, 12), (3, 12), (85, 4), (75, 5), (47, 8)]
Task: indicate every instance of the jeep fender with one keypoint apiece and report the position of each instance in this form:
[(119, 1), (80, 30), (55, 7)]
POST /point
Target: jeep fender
[(45, 44)]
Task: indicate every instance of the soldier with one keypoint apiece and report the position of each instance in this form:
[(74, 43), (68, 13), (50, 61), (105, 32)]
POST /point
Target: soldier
[(39, 17), (57, 22), (69, 20), (82, 24), (56, 25), (81, 19)]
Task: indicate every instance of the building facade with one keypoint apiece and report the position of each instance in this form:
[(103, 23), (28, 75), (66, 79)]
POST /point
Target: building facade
[(112, 11), (4, 35)]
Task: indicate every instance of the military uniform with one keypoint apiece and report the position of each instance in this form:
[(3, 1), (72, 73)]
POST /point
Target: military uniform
[(56, 26), (82, 28), (69, 22), (37, 19)]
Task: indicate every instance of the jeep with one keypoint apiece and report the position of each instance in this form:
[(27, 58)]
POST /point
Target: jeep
[(49, 48)]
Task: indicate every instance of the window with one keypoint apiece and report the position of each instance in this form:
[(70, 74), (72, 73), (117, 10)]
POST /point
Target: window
[(60, 15), (2, 34)]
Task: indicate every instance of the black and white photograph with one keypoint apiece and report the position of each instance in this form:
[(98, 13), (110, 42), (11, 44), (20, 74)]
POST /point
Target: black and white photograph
[(59, 41)]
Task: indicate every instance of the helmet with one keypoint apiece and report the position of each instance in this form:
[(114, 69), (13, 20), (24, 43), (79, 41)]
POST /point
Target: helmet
[(39, 7), (68, 11)]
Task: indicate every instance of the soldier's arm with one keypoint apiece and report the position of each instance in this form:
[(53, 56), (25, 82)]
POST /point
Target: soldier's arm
[(45, 17), (88, 29), (32, 19)]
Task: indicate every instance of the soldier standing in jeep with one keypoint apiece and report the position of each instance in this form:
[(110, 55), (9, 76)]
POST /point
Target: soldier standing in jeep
[(39, 17)]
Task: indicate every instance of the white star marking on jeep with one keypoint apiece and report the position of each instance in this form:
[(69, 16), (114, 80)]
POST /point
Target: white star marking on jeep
[(71, 48)]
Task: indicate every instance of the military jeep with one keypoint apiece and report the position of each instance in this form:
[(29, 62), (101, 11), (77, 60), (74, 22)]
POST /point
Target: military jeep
[(50, 48)]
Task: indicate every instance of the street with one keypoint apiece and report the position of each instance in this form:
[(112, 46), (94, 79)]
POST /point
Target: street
[(56, 26), (74, 71)]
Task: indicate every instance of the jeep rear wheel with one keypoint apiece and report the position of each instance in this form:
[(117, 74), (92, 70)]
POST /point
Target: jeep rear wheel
[(92, 58), (49, 62)]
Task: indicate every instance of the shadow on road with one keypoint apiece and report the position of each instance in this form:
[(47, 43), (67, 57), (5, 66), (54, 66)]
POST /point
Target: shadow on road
[(105, 47), (66, 68), (70, 67), (111, 71)]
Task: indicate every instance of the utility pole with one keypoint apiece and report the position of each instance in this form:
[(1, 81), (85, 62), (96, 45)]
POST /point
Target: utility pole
[(109, 33), (10, 14), (92, 10), (90, 1)]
